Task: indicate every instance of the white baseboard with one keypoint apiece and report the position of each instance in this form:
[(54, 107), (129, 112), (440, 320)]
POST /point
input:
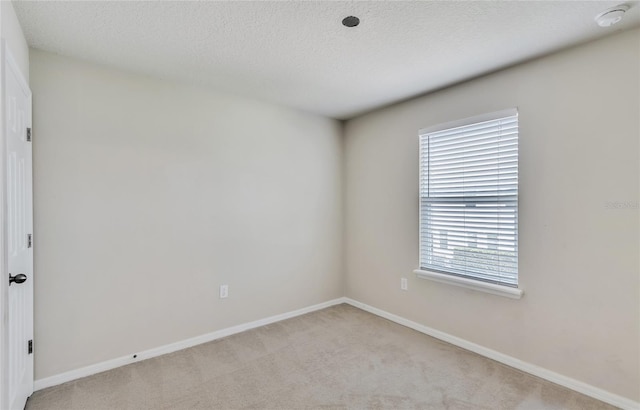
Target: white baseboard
[(573, 384), (158, 351)]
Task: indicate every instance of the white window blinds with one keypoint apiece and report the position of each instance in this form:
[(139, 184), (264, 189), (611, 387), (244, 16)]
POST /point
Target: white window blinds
[(469, 198)]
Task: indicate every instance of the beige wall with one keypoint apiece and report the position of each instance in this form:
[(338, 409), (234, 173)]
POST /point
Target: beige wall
[(149, 195), (579, 267)]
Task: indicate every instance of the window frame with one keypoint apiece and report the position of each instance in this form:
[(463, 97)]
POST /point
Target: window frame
[(453, 278)]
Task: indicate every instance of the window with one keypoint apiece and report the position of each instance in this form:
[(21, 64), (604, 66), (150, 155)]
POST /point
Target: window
[(469, 201)]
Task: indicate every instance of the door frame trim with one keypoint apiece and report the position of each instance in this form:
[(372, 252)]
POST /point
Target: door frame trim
[(7, 60)]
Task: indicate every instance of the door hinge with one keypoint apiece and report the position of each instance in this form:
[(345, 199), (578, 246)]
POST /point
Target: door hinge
[(29, 240), (30, 346), (28, 134)]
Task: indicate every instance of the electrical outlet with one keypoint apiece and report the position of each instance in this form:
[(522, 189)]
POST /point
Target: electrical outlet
[(403, 284), (224, 291)]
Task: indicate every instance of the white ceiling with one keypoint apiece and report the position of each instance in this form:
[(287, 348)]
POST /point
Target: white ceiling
[(299, 54)]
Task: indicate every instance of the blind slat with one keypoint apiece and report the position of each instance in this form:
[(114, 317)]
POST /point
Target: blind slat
[(484, 165), (477, 154), (506, 257), (490, 148), (466, 129), (477, 160), (505, 134)]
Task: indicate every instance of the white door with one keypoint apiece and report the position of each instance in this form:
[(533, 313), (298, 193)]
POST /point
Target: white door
[(17, 134)]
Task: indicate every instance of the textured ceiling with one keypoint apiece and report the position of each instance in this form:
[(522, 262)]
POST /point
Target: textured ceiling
[(299, 54)]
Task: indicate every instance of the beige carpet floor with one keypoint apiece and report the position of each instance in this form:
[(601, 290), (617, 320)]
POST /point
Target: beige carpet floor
[(339, 357)]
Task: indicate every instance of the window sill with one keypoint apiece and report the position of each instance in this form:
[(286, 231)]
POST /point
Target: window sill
[(513, 293)]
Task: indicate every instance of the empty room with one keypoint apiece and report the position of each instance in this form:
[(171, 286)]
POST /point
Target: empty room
[(320, 204)]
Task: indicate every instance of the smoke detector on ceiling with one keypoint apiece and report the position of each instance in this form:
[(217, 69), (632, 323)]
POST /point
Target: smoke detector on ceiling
[(611, 16)]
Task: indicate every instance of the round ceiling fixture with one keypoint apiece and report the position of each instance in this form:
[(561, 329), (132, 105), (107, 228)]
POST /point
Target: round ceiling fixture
[(611, 16), (350, 21)]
